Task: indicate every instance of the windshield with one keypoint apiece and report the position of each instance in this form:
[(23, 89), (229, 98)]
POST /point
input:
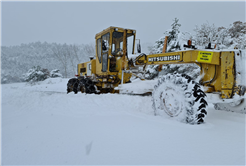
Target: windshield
[(117, 43)]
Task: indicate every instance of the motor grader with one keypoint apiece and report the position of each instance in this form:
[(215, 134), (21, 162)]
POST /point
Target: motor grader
[(175, 95)]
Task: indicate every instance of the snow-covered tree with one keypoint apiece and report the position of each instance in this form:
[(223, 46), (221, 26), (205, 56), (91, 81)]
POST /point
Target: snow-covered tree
[(36, 74), (16, 60), (172, 42), (175, 42), (173, 34), (231, 37), (151, 72), (205, 34), (237, 29), (223, 40), (55, 73)]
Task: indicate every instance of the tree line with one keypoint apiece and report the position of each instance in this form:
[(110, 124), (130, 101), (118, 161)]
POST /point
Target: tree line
[(17, 60)]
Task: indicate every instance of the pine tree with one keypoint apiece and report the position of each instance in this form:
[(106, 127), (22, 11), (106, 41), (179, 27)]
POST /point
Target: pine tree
[(173, 34), (173, 42)]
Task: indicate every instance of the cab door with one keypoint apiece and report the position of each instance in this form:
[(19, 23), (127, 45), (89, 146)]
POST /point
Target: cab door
[(105, 51)]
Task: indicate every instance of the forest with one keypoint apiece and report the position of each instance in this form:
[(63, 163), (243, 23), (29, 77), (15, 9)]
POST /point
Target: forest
[(16, 61)]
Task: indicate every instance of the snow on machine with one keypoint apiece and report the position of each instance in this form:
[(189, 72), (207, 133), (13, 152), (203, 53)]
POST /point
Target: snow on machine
[(175, 95)]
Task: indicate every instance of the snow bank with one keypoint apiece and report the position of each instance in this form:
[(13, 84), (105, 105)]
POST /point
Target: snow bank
[(138, 86)]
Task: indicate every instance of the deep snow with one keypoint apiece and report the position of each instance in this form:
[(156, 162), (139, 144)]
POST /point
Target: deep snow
[(42, 125)]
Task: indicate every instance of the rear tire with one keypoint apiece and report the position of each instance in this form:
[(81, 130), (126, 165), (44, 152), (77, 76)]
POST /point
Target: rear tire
[(89, 86), (179, 97), (72, 85), (81, 85)]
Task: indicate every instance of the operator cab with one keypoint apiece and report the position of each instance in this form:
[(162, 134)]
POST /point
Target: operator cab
[(117, 43), (111, 43)]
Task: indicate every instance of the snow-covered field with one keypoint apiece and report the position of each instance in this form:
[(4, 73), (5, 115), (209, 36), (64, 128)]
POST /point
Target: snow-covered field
[(42, 125)]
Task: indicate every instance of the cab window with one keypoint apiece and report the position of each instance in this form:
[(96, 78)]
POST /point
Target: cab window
[(99, 49), (105, 42), (130, 43), (117, 42)]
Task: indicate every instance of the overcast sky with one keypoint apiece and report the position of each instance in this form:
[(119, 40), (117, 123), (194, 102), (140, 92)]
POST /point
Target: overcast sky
[(78, 22)]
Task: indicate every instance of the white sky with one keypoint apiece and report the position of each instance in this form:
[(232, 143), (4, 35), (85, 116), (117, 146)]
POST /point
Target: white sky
[(78, 22)]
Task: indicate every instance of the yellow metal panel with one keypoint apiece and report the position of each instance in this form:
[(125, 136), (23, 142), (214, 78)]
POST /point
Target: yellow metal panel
[(226, 94), (78, 68), (212, 75), (187, 56), (164, 58), (215, 58), (208, 71), (126, 77), (118, 64), (227, 74), (93, 66), (217, 82), (99, 66), (195, 56)]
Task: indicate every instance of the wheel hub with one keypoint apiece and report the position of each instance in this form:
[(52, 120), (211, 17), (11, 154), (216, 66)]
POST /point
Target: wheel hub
[(171, 103)]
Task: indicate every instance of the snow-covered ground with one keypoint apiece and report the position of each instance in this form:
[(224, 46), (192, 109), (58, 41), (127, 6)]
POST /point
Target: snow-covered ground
[(42, 125)]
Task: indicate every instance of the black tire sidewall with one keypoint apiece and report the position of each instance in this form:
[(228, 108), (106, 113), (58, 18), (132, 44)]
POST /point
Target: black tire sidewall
[(193, 98)]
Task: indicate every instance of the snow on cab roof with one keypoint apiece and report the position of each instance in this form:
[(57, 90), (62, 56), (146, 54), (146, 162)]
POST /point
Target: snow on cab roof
[(111, 27)]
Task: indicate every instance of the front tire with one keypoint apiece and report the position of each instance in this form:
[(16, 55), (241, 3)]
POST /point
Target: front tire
[(179, 97)]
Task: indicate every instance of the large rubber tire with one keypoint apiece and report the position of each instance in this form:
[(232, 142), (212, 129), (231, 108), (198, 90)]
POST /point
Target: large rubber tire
[(238, 106), (72, 85), (179, 97), (81, 85), (89, 86)]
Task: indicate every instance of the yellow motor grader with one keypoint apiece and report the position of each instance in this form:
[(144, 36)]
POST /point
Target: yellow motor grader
[(175, 95)]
